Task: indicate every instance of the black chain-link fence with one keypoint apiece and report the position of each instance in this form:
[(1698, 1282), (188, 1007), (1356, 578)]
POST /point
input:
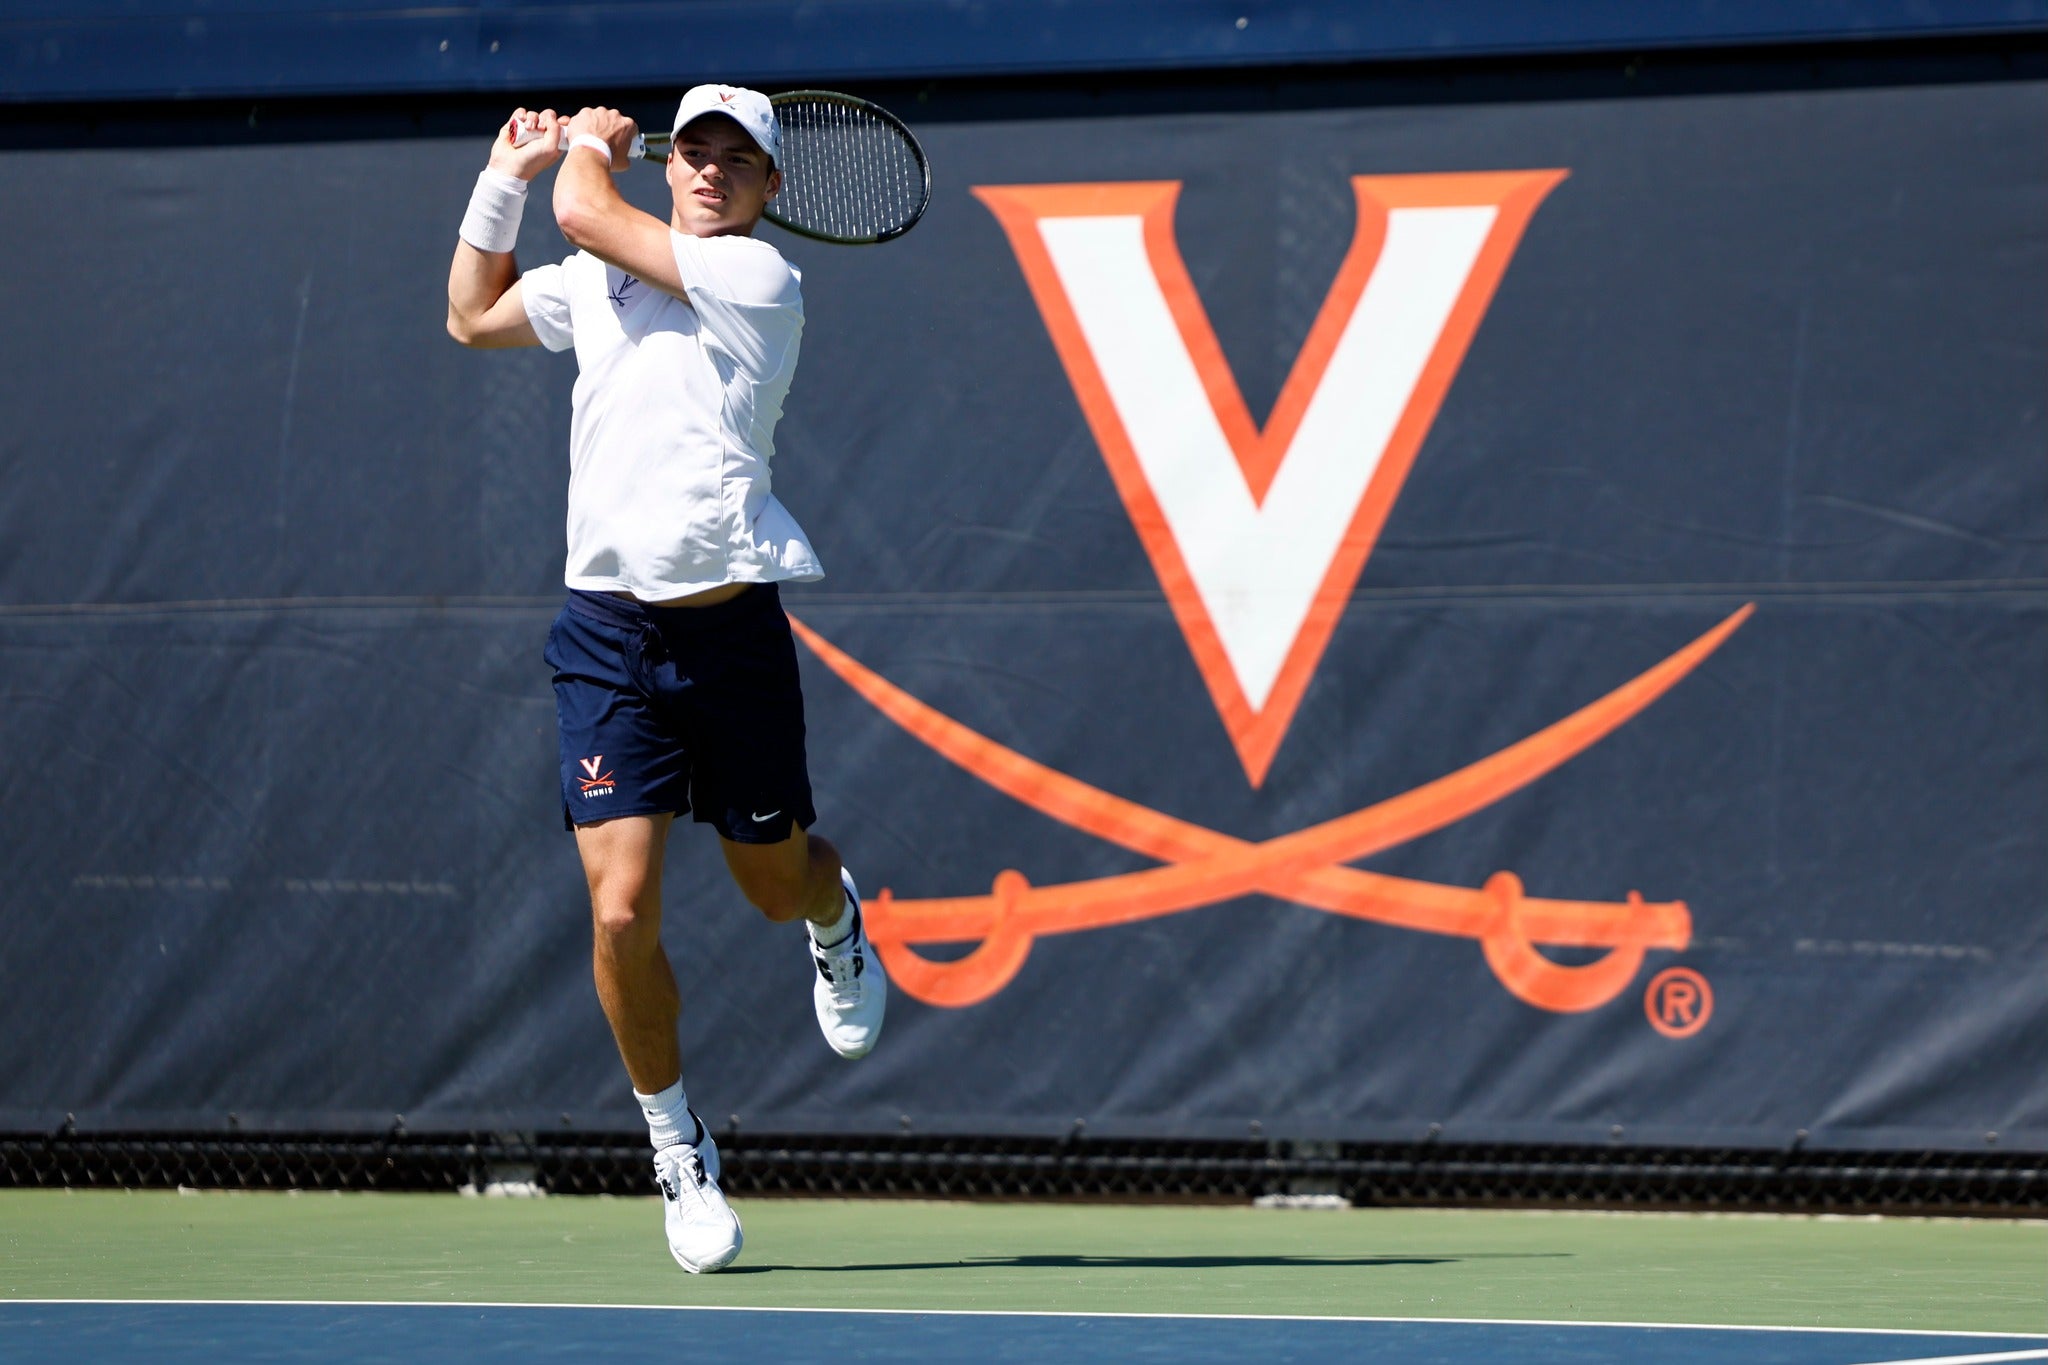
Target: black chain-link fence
[(1988, 1183)]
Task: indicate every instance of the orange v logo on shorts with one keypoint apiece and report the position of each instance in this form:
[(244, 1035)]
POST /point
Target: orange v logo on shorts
[(1259, 535)]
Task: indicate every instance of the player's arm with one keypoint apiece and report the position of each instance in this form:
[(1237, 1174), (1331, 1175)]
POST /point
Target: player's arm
[(596, 218), (484, 304)]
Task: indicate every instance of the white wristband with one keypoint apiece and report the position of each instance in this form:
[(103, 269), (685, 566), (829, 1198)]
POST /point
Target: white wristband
[(495, 207), (595, 143)]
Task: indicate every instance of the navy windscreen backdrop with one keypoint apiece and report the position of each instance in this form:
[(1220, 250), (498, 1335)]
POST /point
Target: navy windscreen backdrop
[(189, 49), (1522, 619)]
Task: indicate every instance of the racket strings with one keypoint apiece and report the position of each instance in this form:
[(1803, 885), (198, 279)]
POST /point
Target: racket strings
[(846, 173)]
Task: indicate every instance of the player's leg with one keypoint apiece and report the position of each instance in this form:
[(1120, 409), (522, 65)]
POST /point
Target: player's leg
[(624, 776), (750, 780), (800, 877), (635, 984)]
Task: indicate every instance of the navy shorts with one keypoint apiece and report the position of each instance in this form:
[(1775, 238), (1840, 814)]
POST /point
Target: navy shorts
[(681, 709)]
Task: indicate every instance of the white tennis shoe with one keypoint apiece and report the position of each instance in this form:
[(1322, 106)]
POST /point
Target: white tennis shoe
[(851, 991), (703, 1231)]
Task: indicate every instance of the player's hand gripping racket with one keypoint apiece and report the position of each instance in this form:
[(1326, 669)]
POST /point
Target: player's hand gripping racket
[(851, 172)]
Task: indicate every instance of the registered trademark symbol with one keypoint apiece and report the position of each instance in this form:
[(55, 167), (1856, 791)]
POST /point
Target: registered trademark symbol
[(1679, 1002)]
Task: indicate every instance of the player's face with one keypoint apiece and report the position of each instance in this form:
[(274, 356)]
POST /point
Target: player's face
[(720, 177)]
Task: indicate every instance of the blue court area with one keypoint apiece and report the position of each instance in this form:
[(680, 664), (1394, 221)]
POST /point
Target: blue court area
[(329, 1334)]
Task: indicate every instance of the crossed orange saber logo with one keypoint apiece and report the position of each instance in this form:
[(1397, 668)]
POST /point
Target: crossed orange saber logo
[(1205, 866)]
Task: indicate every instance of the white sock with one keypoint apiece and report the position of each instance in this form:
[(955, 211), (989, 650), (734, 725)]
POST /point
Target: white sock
[(668, 1116), (839, 930)]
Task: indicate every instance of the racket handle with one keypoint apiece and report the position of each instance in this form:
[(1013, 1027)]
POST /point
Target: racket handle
[(527, 132)]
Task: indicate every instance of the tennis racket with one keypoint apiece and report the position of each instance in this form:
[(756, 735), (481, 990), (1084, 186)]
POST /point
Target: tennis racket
[(852, 173)]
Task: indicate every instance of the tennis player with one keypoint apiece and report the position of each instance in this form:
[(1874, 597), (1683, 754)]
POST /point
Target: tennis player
[(675, 675)]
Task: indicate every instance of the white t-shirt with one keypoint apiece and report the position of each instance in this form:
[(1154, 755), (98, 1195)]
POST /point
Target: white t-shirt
[(674, 418)]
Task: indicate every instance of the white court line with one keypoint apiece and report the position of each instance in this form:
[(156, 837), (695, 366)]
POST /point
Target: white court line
[(1050, 1313), (1967, 1360)]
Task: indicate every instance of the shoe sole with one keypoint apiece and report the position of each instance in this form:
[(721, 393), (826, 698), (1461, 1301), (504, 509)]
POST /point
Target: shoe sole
[(709, 1266)]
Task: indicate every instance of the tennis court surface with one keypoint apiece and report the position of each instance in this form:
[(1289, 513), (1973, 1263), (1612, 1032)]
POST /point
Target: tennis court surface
[(91, 1276)]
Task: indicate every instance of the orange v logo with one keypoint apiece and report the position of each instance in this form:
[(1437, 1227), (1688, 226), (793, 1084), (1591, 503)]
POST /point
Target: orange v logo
[(1258, 536)]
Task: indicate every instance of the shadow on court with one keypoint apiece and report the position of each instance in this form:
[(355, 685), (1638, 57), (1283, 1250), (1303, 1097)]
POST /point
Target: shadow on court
[(1216, 1261)]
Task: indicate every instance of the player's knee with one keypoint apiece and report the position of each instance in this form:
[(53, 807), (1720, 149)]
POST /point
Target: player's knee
[(779, 901), (795, 893), (623, 926), (784, 881)]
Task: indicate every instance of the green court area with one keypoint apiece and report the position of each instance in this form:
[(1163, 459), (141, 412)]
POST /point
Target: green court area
[(1982, 1276)]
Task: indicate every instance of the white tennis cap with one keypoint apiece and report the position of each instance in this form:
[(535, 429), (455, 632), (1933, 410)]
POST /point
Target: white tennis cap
[(748, 108)]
